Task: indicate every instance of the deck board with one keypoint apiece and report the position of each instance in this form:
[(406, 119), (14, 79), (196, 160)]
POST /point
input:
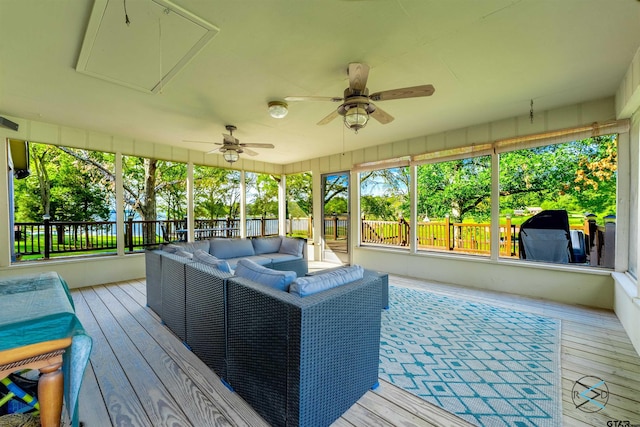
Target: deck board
[(141, 374)]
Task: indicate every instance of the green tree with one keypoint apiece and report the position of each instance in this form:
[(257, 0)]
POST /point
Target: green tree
[(216, 192), (262, 195), (578, 175), (66, 185), (300, 194), (336, 190), (459, 188), (385, 194)]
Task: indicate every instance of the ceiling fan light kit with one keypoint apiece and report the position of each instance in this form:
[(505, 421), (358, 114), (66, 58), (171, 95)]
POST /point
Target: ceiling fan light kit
[(231, 156), (278, 109), (232, 147), (356, 117)]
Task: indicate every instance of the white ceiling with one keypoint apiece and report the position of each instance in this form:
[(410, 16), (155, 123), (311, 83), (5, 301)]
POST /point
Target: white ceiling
[(486, 59)]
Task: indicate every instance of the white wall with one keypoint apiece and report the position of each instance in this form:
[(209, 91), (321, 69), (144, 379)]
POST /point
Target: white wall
[(627, 288), (85, 271), (558, 283)]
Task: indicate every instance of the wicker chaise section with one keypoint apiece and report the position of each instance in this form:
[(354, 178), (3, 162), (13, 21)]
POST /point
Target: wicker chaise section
[(205, 314), (303, 361), (153, 266), (173, 293)]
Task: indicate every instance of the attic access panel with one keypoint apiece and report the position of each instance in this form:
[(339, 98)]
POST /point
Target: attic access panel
[(145, 55)]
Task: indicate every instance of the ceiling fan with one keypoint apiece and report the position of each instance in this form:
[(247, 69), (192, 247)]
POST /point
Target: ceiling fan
[(232, 147), (356, 104)]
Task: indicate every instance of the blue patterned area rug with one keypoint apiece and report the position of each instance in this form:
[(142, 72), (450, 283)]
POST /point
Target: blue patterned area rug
[(489, 365)]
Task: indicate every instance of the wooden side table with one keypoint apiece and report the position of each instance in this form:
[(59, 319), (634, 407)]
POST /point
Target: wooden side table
[(39, 330), (46, 357)]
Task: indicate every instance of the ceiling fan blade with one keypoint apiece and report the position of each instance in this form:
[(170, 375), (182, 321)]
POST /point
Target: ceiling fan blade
[(258, 145), (358, 75), (406, 92), (330, 117), (230, 139), (214, 150), (382, 116), (249, 151), (313, 98)]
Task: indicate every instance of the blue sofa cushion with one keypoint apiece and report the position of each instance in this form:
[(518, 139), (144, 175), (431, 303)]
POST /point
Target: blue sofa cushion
[(310, 285), (183, 254), (231, 248), (194, 246), (266, 245), (291, 246), (209, 259), (273, 278), (258, 259), (278, 257)]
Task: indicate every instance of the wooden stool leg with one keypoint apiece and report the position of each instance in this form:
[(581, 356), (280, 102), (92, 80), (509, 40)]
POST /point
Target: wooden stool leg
[(50, 389)]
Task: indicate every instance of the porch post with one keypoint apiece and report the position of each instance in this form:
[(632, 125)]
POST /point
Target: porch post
[(495, 206), (120, 242), (243, 205), (190, 214), (282, 205)]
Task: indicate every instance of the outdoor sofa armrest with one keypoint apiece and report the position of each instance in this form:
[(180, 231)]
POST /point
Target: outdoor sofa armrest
[(302, 360), (153, 268), (173, 293), (205, 314)]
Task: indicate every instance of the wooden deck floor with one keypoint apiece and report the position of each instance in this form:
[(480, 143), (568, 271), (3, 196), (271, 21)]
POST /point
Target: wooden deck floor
[(140, 374)]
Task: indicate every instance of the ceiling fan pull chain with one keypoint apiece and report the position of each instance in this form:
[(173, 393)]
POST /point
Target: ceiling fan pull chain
[(126, 16)]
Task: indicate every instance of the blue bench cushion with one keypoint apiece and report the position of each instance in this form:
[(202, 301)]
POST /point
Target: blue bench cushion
[(266, 245), (231, 248), (310, 285), (209, 259), (273, 278)]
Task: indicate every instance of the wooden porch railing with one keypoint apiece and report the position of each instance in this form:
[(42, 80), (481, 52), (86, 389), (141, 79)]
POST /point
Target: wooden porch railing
[(54, 238), (474, 238)]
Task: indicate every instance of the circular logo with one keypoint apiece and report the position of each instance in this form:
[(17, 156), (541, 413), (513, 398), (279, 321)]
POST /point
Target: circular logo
[(590, 394)]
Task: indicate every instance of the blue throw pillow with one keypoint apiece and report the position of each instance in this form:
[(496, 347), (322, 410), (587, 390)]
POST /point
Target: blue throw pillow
[(310, 285), (266, 276), (170, 248), (183, 254), (266, 245), (206, 258), (291, 246)]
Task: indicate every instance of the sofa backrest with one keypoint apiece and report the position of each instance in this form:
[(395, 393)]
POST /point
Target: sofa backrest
[(187, 247), (266, 245), (231, 248)]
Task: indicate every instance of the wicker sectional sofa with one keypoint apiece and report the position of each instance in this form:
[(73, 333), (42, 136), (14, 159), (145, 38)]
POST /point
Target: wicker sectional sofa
[(297, 360), (263, 250), (302, 361)]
